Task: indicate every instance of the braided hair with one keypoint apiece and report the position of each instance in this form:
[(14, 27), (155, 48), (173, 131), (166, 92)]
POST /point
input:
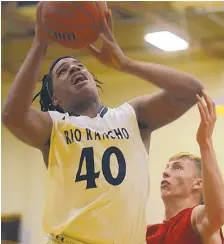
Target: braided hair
[(46, 92)]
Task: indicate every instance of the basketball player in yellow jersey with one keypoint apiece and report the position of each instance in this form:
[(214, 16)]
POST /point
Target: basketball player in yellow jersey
[(97, 157)]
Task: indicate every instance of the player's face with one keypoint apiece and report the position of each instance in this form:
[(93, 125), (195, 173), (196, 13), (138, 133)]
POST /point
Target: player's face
[(72, 84), (179, 179)]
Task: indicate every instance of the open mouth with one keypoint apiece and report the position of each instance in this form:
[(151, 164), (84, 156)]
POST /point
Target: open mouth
[(165, 182), (77, 78)]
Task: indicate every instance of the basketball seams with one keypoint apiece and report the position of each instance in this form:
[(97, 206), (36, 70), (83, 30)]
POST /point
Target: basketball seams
[(60, 11), (93, 25), (86, 12), (66, 35)]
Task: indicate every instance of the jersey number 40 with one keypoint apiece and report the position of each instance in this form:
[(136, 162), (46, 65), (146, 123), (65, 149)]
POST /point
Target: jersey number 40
[(91, 176)]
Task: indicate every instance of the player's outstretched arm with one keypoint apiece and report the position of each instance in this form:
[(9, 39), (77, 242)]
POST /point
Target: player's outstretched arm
[(27, 124), (178, 92), (209, 218)]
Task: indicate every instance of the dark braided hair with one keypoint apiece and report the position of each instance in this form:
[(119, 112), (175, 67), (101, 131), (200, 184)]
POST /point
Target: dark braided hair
[(46, 92)]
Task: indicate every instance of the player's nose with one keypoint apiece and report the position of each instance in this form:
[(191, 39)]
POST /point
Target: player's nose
[(74, 68), (166, 173)]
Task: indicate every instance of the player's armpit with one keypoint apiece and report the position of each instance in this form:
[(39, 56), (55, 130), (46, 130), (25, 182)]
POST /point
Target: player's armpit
[(160, 108), (35, 130), (206, 229)]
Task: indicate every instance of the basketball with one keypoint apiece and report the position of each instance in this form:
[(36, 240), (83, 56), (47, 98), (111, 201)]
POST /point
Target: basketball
[(71, 24)]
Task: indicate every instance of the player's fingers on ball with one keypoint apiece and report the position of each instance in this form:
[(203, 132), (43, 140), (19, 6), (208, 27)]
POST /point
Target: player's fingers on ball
[(213, 113), (92, 49), (204, 109), (38, 11), (208, 101), (201, 111), (107, 29), (110, 20), (198, 98), (106, 40)]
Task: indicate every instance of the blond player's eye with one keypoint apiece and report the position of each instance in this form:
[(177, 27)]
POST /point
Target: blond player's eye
[(179, 167)]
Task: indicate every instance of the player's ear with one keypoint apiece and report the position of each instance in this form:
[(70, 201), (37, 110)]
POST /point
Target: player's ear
[(197, 184), (54, 100)]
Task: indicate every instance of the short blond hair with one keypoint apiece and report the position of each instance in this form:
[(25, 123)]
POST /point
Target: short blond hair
[(193, 158)]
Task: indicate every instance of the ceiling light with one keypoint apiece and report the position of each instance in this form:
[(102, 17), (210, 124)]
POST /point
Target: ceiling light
[(166, 41)]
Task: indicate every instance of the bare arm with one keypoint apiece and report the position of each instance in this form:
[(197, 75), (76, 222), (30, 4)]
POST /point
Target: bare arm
[(159, 109), (27, 124), (177, 83), (208, 219), (178, 93)]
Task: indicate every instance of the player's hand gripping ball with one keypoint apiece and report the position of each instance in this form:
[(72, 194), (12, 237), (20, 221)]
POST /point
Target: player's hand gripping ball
[(73, 24)]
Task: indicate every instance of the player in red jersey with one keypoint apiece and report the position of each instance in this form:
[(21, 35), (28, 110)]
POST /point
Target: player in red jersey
[(185, 180)]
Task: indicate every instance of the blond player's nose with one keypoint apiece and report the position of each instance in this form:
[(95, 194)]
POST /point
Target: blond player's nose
[(166, 173)]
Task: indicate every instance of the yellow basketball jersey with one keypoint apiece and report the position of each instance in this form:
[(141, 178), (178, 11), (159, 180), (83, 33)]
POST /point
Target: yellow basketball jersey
[(98, 180)]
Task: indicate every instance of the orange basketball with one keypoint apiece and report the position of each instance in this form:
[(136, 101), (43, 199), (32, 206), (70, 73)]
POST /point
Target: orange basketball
[(71, 24)]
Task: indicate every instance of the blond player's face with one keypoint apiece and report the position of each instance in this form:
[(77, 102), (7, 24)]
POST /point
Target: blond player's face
[(179, 179)]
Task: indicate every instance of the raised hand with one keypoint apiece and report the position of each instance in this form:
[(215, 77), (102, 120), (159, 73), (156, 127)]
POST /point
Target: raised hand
[(110, 53), (207, 112), (41, 37)]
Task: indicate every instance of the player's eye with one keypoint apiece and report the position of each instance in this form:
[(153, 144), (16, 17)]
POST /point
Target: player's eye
[(178, 167), (62, 71), (81, 65)]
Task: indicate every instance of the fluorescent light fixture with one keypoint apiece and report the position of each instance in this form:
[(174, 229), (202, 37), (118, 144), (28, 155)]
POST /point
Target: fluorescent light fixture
[(166, 41)]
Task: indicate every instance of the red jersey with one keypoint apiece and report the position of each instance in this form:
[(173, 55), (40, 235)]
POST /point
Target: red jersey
[(177, 230)]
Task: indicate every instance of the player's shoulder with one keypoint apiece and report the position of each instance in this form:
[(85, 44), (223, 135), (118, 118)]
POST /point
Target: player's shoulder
[(124, 112), (128, 112), (57, 116), (197, 213), (203, 227), (152, 229), (125, 107)]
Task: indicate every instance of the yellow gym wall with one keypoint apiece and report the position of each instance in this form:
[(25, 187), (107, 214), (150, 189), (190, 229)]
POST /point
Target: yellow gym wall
[(23, 170)]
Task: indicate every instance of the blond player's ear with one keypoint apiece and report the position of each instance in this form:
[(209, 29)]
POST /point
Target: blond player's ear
[(197, 184)]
